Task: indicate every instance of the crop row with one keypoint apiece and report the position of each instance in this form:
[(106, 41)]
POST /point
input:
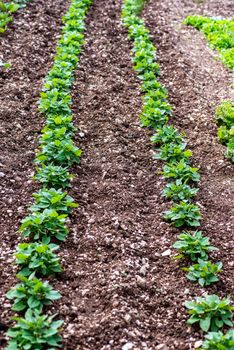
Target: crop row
[(46, 225), (6, 11), (210, 312), (220, 34)]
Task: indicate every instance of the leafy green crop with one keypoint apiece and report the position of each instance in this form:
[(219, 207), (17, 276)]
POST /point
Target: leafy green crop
[(219, 341), (167, 135), (44, 226), (178, 191), (195, 246), (38, 258), (173, 152), (34, 332), (53, 199), (31, 293), (181, 171), (204, 272), (54, 176), (219, 33), (184, 214), (59, 152), (225, 120), (211, 312)]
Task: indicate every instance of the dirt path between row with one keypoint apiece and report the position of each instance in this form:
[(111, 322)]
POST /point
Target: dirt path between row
[(118, 290), (28, 45)]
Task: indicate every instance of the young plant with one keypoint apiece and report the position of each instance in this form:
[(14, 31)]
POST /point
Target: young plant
[(166, 135), (58, 122), (4, 65), (53, 199), (59, 152), (181, 171), (43, 226), (219, 341), (31, 293), (53, 176), (219, 33), (172, 152), (230, 149), (184, 214), (194, 246), (211, 312), (204, 272), (38, 258), (34, 332), (52, 135), (178, 191)]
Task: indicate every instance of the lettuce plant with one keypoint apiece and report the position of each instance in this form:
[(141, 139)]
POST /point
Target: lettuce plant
[(211, 312), (219, 341), (34, 332), (184, 214), (204, 272), (38, 258), (31, 293), (219, 33), (53, 199), (194, 246), (53, 176)]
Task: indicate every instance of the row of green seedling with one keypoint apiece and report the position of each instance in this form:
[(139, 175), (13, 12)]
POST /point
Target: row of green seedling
[(220, 34), (6, 11), (211, 312), (46, 225)]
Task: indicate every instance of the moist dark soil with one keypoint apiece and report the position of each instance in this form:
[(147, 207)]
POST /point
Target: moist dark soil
[(121, 288)]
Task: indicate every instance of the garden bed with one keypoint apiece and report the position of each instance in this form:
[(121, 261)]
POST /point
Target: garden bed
[(119, 285)]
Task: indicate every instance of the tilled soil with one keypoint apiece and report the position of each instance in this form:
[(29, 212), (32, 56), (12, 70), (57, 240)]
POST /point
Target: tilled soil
[(119, 292)]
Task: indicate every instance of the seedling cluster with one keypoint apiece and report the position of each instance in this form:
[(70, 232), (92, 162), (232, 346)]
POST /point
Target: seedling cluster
[(219, 33), (211, 312), (46, 225), (6, 11)]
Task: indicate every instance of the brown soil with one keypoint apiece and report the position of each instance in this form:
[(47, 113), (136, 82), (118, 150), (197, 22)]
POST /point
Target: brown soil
[(119, 292)]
